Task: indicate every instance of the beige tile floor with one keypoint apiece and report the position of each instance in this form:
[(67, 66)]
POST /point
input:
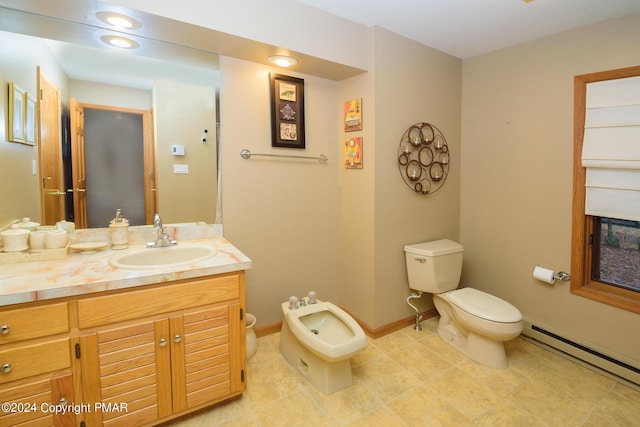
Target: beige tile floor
[(411, 378)]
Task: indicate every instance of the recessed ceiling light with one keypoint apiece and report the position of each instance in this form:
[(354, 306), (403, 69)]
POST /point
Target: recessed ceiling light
[(283, 60), (121, 42), (118, 20)]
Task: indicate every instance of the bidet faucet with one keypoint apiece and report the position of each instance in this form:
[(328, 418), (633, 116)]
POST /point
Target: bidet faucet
[(162, 238)]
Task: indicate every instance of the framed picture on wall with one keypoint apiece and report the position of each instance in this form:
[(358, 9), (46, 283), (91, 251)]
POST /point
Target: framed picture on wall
[(353, 115), (30, 121), (353, 153), (287, 111), (17, 109)]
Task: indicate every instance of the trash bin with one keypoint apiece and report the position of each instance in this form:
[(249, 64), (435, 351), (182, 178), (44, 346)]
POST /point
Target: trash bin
[(252, 343)]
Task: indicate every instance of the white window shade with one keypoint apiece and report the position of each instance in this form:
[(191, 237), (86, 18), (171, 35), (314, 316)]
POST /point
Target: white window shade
[(611, 149), (613, 193)]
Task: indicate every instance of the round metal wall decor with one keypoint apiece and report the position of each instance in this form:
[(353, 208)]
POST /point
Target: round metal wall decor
[(423, 158)]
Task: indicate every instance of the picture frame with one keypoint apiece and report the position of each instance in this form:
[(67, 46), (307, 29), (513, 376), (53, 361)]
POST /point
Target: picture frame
[(287, 111), (17, 110), (353, 115), (353, 153), (31, 119)]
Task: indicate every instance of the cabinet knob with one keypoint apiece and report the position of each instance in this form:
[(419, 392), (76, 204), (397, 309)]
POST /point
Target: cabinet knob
[(177, 338), (63, 401), (163, 342), (6, 368), (4, 329)]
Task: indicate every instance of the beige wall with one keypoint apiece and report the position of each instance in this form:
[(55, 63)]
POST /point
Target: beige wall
[(322, 227), (182, 112), (507, 117), (282, 213), (285, 23), (110, 95), (379, 214), (414, 83), (357, 205), (19, 58), (517, 153)]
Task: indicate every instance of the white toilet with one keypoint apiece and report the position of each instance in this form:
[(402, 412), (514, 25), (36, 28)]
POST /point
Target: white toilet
[(474, 322), (318, 339)]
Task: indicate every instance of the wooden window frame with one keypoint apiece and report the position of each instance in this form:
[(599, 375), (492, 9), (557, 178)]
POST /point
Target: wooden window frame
[(583, 225)]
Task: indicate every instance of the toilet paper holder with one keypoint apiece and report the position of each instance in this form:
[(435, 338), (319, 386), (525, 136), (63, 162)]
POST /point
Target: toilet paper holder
[(549, 276)]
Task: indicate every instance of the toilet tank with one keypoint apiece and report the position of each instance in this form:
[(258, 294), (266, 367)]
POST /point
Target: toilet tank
[(434, 267)]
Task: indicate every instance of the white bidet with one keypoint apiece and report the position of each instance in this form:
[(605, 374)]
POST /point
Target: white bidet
[(319, 340)]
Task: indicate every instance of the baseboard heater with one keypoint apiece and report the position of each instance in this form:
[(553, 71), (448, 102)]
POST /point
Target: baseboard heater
[(590, 357)]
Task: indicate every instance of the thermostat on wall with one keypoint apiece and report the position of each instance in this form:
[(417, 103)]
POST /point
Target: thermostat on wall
[(177, 150)]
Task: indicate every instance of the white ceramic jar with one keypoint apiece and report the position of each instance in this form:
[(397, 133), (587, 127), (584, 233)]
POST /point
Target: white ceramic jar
[(27, 224), (36, 239), (15, 239), (55, 239)]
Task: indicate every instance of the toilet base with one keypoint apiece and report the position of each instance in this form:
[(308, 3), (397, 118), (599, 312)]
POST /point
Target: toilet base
[(328, 377), (474, 346)]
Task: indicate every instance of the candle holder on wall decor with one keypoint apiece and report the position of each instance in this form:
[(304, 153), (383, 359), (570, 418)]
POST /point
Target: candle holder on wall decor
[(423, 158)]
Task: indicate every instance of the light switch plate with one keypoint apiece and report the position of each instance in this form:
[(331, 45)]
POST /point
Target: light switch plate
[(181, 169)]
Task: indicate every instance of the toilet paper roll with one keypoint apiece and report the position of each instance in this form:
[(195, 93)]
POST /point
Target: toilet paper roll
[(544, 274)]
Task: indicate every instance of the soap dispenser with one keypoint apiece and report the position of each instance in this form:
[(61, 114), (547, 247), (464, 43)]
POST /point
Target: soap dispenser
[(119, 228)]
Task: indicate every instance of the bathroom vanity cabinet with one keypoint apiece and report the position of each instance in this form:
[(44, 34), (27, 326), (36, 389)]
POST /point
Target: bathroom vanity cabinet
[(136, 356), (35, 365)]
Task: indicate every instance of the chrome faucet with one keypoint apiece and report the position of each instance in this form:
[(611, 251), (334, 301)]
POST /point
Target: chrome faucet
[(157, 221), (162, 238)]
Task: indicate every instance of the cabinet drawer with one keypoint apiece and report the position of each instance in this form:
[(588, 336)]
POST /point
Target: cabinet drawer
[(30, 360), (25, 403), (33, 322), (147, 302)]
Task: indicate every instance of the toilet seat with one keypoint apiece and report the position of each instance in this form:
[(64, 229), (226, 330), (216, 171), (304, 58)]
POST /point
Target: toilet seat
[(484, 305)]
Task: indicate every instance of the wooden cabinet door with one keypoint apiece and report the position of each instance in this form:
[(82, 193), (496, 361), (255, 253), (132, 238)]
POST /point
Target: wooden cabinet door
[(39, 403), (145, 372), (127, 370), (204, 363)]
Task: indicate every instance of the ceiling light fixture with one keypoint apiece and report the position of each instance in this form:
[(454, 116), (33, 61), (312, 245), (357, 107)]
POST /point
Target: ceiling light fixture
[(118, 20), (121, 42), (283, 60)]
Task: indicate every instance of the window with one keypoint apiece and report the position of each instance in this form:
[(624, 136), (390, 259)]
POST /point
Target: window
[(605, 253), (615, 252)]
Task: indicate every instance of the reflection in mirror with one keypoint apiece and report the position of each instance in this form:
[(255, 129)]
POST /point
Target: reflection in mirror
[(178, 99)]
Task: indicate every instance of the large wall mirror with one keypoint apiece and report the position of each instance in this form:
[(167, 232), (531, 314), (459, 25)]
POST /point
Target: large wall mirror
[(169, 91)]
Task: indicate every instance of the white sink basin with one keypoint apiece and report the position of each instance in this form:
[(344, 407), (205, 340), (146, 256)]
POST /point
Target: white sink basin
[(171, 256)]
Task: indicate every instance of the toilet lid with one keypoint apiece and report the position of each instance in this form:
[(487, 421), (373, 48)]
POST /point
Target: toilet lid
[(484, 305)]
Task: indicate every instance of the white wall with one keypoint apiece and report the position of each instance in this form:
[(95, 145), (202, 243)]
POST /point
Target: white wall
[(517, 154)]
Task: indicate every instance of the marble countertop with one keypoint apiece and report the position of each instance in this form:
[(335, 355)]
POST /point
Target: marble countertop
[(82, 273)]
